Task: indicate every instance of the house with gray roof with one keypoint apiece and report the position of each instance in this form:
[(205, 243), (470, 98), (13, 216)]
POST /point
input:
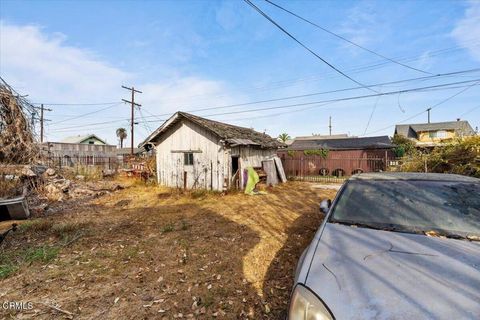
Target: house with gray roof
[(84, 139), (337, 143), (194, 152), (85, 149), (336, 156), (435, 133)]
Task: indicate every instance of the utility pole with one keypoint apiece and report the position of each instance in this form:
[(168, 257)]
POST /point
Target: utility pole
[(42, 121), (330, 125), (428, 111), (133, 104)]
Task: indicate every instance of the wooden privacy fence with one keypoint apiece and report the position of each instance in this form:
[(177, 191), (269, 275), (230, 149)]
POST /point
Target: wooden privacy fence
[(317, 168)]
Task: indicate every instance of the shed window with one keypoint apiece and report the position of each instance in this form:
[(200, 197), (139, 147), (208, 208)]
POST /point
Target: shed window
[(188, 159)]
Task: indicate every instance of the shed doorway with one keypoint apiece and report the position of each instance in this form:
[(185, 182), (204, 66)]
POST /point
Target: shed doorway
[(235, 172), (234, 164)]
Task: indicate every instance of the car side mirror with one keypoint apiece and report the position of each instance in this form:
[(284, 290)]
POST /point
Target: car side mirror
[(325, 205)]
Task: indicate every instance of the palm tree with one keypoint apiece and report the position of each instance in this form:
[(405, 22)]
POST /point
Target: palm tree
[(284, 137), (121, 134)]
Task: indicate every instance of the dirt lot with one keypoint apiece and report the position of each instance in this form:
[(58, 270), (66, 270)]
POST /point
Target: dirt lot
[(148, 252)]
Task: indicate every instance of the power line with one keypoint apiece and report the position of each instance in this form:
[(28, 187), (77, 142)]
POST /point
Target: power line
[(86, 128), (303, 45), (366, 67), (42, 121), (371, 114), (87, 114), (353, 69), (281, 113), (132, 123), (418, 89), (345, 99), (331, 91), (75, 104), (348, 98), (281, 98), (198, 109), (430, 108), (92, 124), (345, 39), (468, 111)]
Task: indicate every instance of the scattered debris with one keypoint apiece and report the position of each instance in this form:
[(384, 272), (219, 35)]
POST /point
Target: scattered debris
[(50, 172), (16, 133), (15, 209), (123, 203), (69, 315), (4, 234)]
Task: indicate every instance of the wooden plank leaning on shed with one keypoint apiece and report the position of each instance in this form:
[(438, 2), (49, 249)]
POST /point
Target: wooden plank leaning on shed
[(281, 172), (271, 171)]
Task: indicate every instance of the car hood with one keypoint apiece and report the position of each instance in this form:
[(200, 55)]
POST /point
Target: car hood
[(363, 273)]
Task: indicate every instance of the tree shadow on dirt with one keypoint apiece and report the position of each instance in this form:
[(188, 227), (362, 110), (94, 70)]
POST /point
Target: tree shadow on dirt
[(279, 279), (150, 263)]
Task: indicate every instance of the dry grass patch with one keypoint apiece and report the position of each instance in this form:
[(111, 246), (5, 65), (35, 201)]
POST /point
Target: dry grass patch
[(165, 252)]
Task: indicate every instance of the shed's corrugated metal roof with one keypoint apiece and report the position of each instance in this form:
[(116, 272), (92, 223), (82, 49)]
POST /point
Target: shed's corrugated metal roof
[(380, 142), (225, 131), (410, 130)]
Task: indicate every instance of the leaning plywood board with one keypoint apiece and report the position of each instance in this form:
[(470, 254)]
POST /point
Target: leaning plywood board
[(271, 171), (281, 172)]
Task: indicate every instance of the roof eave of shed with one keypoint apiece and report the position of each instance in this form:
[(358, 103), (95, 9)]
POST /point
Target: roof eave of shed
[(178, 115)]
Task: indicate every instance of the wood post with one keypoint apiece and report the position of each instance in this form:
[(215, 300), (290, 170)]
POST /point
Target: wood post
[(184, 180)]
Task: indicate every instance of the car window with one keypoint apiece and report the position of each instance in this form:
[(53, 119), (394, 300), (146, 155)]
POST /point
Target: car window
[(412, 206)]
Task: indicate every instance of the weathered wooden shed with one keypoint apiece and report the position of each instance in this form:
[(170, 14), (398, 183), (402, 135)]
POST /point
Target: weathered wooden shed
[(194, 152)]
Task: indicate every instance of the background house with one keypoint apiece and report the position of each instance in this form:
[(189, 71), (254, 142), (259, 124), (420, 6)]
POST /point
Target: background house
[(195, 152), (431, 134), (87, 149), (317, 137), (338, 156), (84, 139)]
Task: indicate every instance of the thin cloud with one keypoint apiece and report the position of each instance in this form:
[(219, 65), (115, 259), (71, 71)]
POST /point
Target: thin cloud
[(468, 29), (46, 68)]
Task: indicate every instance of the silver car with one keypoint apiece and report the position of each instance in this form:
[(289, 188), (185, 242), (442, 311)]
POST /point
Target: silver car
[(394, 246)]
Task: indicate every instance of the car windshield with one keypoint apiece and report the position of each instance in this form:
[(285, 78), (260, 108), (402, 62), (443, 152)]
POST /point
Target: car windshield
[(433, 207)]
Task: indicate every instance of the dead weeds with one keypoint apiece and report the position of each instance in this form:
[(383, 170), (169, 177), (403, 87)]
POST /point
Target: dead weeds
[(164, 254)]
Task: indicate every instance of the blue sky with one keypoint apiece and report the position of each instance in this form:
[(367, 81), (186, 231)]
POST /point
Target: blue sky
[(188, 55)]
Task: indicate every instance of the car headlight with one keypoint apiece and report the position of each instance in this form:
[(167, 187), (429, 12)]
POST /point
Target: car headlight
[(304, 305)]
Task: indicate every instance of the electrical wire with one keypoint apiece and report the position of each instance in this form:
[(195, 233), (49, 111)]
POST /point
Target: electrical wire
[(345, 39), (426, 110), (303, 45), (371, 114), (468, 111), (326, 92), (75, 104), (343, 99), (88, 113), (419, 89), (297, 81), (283, 98)]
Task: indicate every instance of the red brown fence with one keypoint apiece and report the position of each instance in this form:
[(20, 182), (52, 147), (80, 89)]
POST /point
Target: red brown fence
[(316, 168)]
